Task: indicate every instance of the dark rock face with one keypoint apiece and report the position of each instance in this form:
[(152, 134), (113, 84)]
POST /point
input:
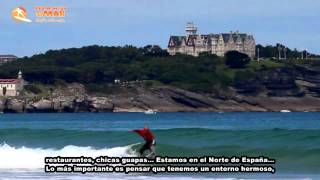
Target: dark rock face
[(249, 86), (310, 77), (310, 74), (298, 81), (187, 98), (275, 82), (315, 90), (278, 79)]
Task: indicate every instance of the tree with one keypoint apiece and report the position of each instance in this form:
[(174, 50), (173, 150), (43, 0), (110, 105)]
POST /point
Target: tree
[(155, 51), (235, 59)]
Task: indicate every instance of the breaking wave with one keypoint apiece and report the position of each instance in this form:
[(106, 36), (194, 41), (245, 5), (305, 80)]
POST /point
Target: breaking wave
[(33, 158)]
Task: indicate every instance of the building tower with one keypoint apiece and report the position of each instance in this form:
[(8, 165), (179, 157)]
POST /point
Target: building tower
[(20, 83), (191, 29), (20, 75)]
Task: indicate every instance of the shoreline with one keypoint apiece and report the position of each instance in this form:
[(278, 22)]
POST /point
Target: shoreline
[(155, 111), (118, 112), (144, 104), (74, 98)]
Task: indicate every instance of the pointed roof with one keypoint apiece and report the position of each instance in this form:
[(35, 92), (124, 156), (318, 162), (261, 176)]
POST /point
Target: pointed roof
[(9, 81), (177, 40), (190, 40)]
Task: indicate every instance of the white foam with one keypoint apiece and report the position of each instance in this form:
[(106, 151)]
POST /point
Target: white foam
[(285, 111), (33, 158)]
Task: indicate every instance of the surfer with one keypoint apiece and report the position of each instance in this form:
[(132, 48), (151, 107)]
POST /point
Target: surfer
[(149, 138)]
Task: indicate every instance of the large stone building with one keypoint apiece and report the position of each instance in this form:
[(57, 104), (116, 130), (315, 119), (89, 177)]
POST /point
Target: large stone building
[(7, 58), (194, 44), (11, 87)]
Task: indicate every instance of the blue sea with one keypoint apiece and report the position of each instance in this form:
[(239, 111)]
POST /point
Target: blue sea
[(292, 139)]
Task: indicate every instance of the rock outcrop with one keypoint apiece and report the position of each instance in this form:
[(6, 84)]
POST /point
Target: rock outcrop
[(309, 79), (14, 105), (270, 90), (100, 104), (42, 105)]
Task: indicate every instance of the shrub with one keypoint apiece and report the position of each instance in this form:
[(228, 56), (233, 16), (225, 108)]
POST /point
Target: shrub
[(32, 88), (235, 59)]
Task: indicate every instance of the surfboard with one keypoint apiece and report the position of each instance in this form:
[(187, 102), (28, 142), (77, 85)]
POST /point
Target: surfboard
[(149, 154), (134, 149)]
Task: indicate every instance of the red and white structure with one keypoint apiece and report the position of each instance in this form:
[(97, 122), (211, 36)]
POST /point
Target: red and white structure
[(11, 87)]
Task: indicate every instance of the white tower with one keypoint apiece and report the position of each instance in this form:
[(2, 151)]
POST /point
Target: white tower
[(20, 75), (191, 29)]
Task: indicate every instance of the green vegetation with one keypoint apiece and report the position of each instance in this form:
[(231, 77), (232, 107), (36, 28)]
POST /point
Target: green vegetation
[(267, 64), (235, 59), (33, 88), (42, 90), (270, 51), (97, 67)]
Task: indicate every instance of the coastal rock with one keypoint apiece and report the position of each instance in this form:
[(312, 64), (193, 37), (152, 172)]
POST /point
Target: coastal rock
[(273, 82), (309, 74), (2, 104), (64, 104), (309, 79), (100, 104), (278, 91), (250, 86), (42, 105), (70, 98), (14, 105), (187, 98), (294, 104), (278, 78)]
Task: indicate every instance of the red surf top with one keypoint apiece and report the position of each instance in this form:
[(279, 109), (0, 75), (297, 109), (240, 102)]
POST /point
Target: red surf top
[(145, 133)]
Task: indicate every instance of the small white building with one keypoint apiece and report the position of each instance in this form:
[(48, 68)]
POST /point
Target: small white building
[(11, 87)]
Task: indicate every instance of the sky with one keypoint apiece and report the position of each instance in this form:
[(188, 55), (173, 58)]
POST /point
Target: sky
[(294, 23)]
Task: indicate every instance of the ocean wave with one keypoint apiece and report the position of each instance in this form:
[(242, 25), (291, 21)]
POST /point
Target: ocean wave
[(291, 148), (32, 158), (59, 138)]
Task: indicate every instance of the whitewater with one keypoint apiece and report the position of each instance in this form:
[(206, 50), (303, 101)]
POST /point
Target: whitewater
[(34, 158), (291, 139)]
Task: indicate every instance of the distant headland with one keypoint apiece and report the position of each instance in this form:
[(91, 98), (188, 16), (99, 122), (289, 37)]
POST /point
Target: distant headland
[(193, 74)]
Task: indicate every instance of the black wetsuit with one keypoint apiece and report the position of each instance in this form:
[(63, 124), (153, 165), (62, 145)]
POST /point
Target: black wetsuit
[(147, 146)]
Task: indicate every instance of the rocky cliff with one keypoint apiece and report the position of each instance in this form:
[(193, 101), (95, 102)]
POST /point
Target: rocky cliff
[(294, 89)]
